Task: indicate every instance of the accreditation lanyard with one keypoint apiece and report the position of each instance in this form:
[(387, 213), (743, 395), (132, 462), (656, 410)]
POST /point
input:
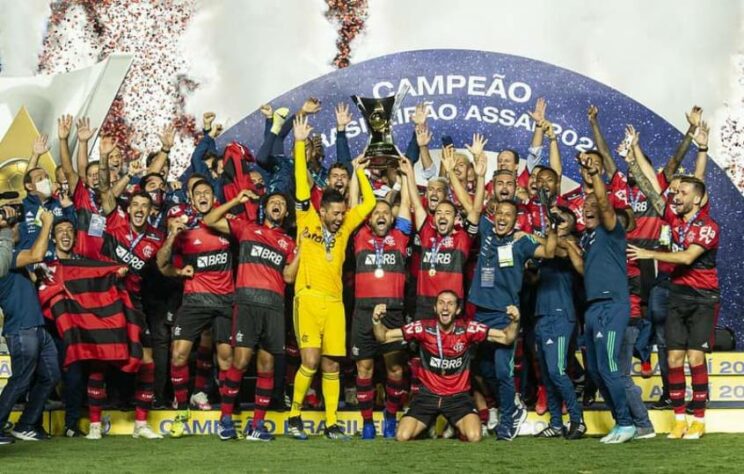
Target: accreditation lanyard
[(134, 241), (327, 241), (436, 245), (683, 230), (379, 250), (542, 219), (440, 350), (92, 197)]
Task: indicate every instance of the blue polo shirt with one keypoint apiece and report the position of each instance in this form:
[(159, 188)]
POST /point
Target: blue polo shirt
[(605, 264), (555, 289), (507, 277), (19, 301)]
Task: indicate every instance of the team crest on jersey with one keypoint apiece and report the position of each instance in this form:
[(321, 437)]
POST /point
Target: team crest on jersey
[(418, 328), (147, 251), (283, 244), (459, 347)]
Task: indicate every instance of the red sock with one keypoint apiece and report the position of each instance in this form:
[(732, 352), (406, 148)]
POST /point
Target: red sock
[(203, 368), (394, 392), (483, 414), (143, 391), (415, 365), (264, 389), (677, 388), (180, 380), (699, 377), (233, 378), (366, 397), (96, 396)]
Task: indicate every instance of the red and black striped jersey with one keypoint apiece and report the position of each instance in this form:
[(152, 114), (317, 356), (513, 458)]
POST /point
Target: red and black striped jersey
[(617, 192), (86, 206), (264, 252), (445, 356), (380, 274), (122, 245), (647, 229), (441, 264), (209, 255), (701, 277)]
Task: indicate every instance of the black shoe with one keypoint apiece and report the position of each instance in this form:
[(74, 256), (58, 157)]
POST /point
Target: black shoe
[(42, 433), (551, 432), (160, 404), (295, 428), (72, 432), (663, 403), (575, 430), (335, 432), (5, 439), (588, 399)]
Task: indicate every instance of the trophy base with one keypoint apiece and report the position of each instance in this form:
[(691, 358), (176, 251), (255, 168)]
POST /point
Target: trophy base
[(382, 156)]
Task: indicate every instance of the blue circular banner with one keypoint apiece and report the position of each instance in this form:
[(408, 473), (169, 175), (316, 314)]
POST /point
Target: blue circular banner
[(491, 93)]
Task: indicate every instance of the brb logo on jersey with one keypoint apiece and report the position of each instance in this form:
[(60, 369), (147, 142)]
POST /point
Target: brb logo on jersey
[(387, 259), (129, 258), (265, 253), (206, 261)]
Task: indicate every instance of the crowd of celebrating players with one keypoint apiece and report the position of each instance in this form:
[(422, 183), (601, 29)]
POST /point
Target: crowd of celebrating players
[(468, 297)]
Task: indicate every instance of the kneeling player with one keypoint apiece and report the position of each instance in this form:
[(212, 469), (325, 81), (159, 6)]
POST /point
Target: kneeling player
[(446, 348)]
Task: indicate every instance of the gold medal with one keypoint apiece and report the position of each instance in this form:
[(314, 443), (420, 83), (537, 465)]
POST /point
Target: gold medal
[(329, 256), (379, 273), (432, 272)]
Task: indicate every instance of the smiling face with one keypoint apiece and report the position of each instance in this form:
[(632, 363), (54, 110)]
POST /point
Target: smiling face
[(381, 219), (203, 198), (444, 218), (338, 179), (436, 192), (504, 186), (276, 209), (332, 215), (546, 179), (64, 237), (114, 160), (461, 166), (685, 200), (91, 176), (504, 218), (591, 211), (596, 163), (447, 308), (139, 209)]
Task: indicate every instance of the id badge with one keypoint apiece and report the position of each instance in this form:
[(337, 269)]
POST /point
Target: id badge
[(97, 225), (506, 256), (488, 277), (665, 236)]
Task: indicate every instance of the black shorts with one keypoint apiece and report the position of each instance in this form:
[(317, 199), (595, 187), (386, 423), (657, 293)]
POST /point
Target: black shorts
[(363, 342), (145, 337), (259, 326), (426, 406), (690, 323), (191, 321)]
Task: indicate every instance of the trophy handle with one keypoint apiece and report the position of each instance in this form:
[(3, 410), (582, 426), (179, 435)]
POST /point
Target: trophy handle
[(399, 96), (360, 105)]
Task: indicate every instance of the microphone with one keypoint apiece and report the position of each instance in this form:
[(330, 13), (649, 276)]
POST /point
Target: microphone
[(9, 195)]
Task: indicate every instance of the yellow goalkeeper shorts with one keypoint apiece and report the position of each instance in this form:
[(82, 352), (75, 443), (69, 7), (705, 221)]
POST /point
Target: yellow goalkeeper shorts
[(319, 322)]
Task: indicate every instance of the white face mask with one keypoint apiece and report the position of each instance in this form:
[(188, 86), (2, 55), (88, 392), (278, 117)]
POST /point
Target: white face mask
[(44, 187)]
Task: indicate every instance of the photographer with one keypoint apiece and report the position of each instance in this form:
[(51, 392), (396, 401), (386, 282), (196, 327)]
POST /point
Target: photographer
[(32, 352)]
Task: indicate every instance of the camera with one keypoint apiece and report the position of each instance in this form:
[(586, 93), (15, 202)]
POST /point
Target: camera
[(18, 210)]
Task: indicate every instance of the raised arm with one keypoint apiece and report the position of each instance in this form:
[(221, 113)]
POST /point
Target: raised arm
[(167, 139), (693, 119), (554, 154), (642, 171), (538, 115), (404, 210), (507, 335), (108, 200), (64, 125), (448, 165), (423, 138), (685, 257), (216, 218), (419, 212), (343, 118), (604, 149), (301, 132), (574, 254), (606, 212), (701, 140), (84, 134), (481, 165), (39, 146)]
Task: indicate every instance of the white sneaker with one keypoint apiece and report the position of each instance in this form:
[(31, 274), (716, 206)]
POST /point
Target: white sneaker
[(94, 431), (449, 432), (484, 431), (144, 431), (493, 418), (433, 431), (200, 401)]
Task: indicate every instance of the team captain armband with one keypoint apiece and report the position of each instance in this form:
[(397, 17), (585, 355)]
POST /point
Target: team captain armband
[(302, 205), (470, 228), (403, 225)]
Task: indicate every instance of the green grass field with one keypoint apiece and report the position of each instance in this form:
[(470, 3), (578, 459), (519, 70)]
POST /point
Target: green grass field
[(714, 453)]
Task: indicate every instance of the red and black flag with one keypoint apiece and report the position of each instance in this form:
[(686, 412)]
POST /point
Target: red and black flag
[(93, 313)]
